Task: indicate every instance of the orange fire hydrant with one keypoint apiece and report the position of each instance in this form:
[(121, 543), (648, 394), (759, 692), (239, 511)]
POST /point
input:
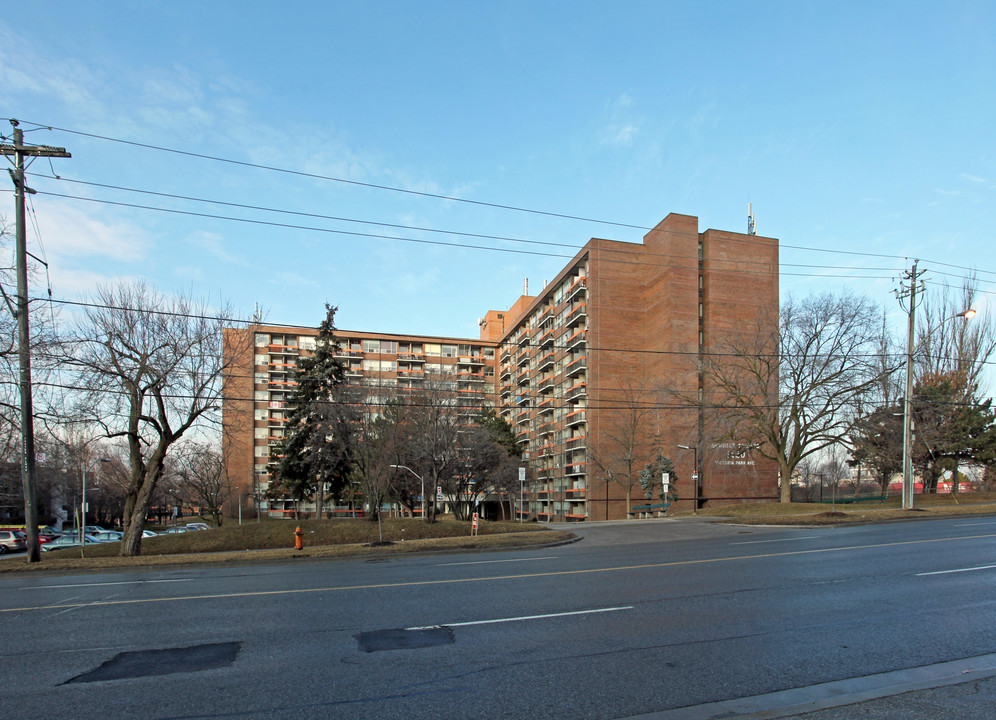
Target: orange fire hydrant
[(298, 539)]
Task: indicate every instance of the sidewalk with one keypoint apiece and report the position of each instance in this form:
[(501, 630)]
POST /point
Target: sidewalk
[(963, 689)]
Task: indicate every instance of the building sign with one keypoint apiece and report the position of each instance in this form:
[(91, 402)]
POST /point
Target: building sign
[(736, 454)]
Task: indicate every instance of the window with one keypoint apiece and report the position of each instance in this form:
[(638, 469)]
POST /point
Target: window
[(432, 349), (262, 339), (371, 346), (389, 346), (449, 351), (308, 343)]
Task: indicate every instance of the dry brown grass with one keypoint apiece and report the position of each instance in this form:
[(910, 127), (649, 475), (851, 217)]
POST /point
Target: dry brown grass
[(273, 540), (925, 506)]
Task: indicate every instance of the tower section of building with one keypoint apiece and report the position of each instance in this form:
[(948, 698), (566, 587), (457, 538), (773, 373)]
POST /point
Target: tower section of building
[(601, 373)]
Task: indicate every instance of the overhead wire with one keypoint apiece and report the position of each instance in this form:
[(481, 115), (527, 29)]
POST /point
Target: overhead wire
[(439, 196)]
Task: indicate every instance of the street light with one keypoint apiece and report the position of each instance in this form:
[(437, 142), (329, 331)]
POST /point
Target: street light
[(82, 523), (908, 485), (695, 474), (405, 467)]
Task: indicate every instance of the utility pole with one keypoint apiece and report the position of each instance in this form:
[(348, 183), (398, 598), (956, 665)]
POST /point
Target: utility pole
[(19, 150), (913, 276)]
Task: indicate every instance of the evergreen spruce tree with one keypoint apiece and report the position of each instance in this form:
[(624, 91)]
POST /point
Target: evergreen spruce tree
[(319, 447)]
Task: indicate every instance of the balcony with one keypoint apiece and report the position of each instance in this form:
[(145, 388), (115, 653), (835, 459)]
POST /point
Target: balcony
[(576, 418), (470, 376), (576, 289), (574, 469), (575, 341), (283, 349), (505, 390), (545, 450), (576, 494), (343, 353), (522, 378), (577, 315), (282, 383), (545, 384), (577, 442), (545, 339), (545, 362), (522, 417), (545, 428), (576, 391), (546, 405), (576, 367)]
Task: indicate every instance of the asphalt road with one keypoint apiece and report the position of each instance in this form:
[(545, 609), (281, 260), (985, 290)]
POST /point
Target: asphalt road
[(663, 619)]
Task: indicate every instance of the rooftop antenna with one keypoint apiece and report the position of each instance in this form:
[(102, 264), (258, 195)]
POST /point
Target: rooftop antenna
[(751, 223)]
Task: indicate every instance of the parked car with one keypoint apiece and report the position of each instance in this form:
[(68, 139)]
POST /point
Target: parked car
[(198, 526), (149, 533), (12, 540), (175, 530), (107, 536), (68, 541)]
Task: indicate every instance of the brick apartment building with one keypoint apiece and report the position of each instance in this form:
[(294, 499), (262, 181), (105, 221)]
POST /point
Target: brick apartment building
[(601, 366)]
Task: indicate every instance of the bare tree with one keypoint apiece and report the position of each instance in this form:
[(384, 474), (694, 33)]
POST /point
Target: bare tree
[(629, 440), (796, 384), (150, 367), (202, 474), (955, 347)]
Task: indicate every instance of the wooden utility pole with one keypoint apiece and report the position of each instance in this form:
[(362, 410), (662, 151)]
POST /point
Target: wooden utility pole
[(19, 150)]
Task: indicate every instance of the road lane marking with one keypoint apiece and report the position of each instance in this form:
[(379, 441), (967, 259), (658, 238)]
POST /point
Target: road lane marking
[(489, 562), (957, 570), (494, 578), (103, 584), (522, 617), (791, 539), (973, 523)]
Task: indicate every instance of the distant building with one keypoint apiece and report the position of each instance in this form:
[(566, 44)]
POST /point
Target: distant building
[(598, 374)]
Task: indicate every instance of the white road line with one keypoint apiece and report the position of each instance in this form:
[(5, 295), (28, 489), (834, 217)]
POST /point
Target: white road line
[(489, 562), (524, 617), (122, 582), (791, 539), (971, 524), (947, 572)]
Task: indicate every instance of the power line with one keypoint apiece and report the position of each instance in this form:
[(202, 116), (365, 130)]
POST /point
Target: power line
[(399, 226), (317, 176), (437, 196)]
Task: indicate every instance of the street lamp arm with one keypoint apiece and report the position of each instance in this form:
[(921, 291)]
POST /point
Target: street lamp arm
[(421, 482)]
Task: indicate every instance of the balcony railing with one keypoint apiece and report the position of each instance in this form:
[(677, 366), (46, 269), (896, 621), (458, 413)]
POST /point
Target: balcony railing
[(576, 418), (576, 442), (575, 341), (575, 469), (578, 313), (576, 391), (576, 366), (575, 289)]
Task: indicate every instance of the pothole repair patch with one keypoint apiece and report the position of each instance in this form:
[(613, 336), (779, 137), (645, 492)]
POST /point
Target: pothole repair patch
[(146, 663), (378, 640)]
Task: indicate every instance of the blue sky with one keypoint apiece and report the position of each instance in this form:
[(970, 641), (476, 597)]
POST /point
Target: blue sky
[(853, 127)]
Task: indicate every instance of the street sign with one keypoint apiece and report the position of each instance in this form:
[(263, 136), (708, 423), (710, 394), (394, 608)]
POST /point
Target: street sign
[(665, 481), (522, 474)]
